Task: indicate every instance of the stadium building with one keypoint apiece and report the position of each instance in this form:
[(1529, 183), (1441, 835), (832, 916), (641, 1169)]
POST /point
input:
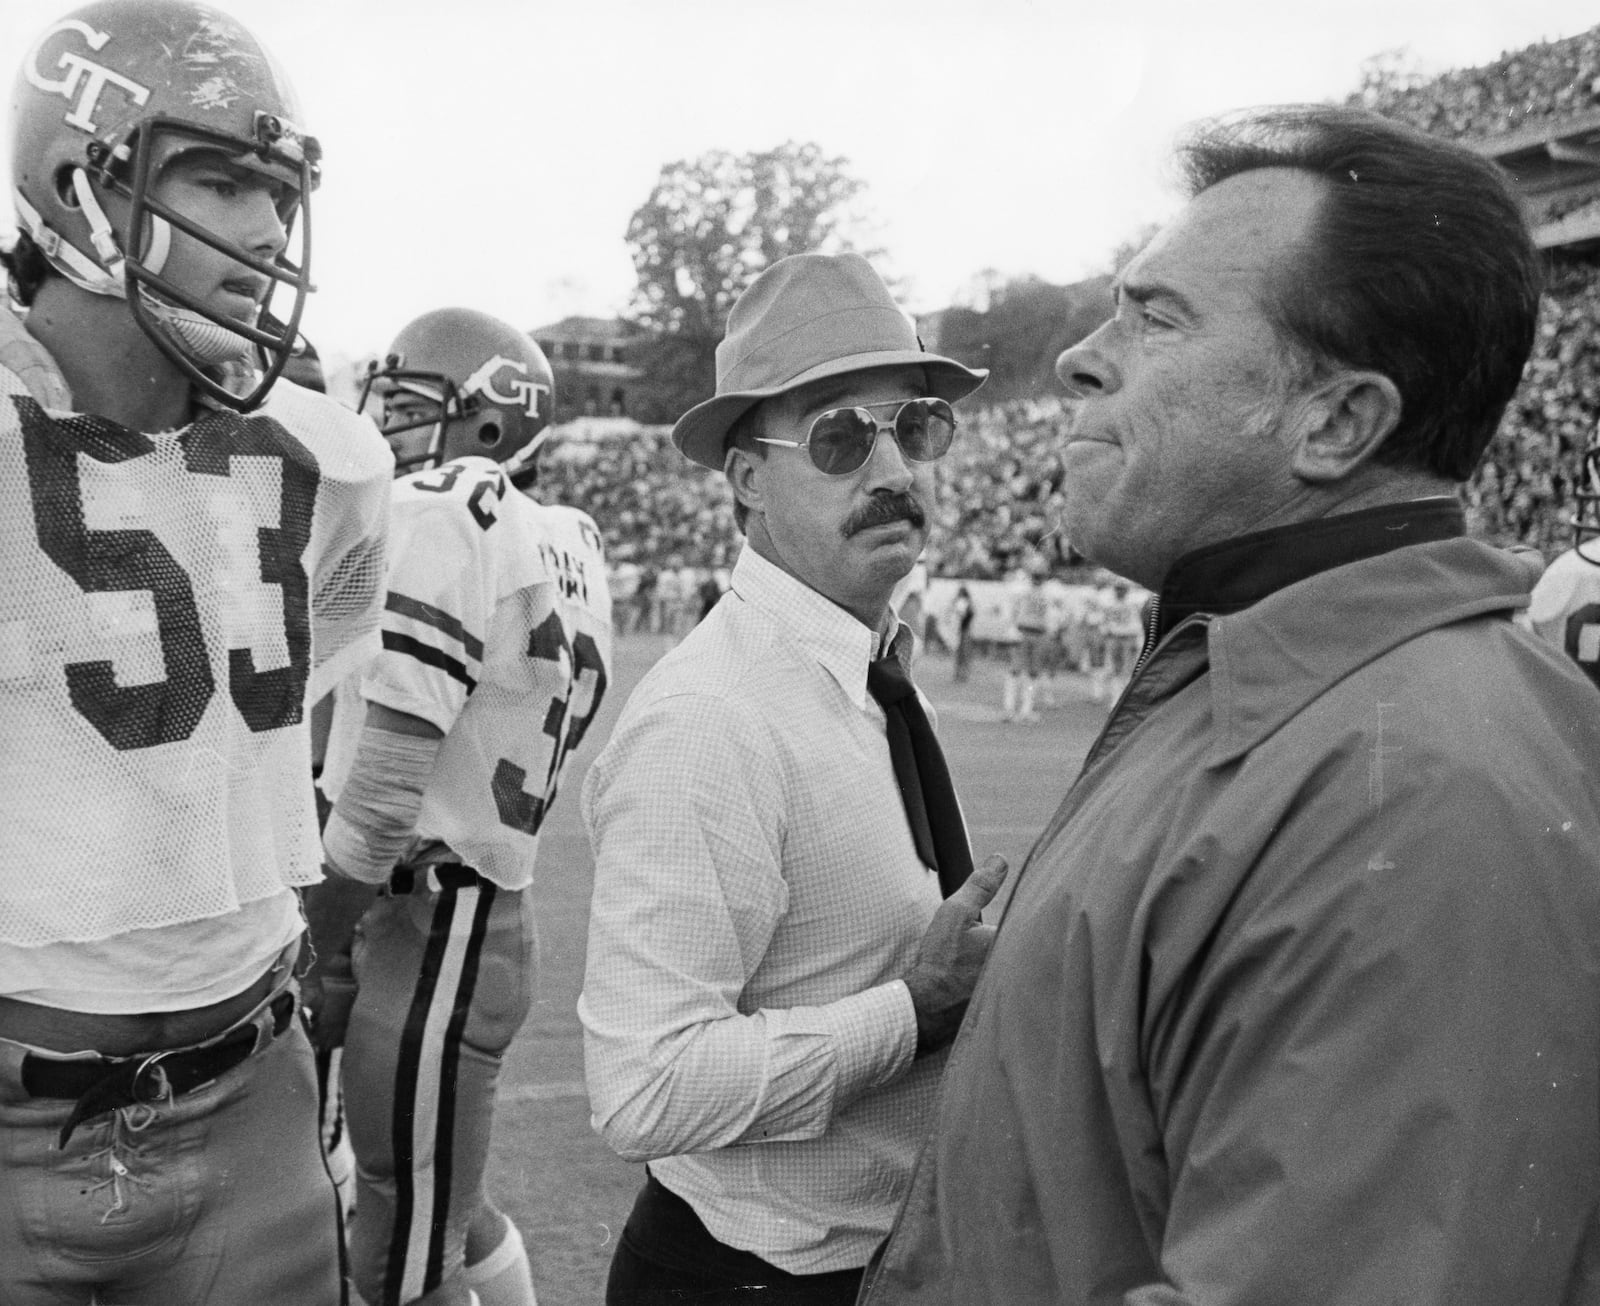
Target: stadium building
[(594, 375)]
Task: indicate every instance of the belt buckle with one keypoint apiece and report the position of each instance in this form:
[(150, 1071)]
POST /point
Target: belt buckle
[(114, 1092), (161, 1085)]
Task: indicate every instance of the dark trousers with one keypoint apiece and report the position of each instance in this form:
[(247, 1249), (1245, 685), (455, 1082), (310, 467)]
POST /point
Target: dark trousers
[(666, 1255)]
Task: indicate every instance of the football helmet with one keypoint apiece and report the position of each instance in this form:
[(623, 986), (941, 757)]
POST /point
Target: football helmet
[(106, 98), (474, 384)]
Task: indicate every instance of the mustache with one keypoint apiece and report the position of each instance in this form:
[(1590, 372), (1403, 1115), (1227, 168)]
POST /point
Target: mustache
[(884, 508)]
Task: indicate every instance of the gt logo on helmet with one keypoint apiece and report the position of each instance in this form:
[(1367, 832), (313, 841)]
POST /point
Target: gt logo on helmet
[(525, 393), (92, 76)]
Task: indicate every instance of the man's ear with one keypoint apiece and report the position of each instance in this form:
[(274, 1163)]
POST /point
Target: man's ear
[(739, 466), (1342, 423)]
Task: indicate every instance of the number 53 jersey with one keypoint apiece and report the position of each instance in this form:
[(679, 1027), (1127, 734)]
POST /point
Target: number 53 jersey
[(169, 604), (497, 630)]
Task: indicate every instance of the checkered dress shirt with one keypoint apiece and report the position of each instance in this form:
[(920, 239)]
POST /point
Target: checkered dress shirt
[(756, 896)]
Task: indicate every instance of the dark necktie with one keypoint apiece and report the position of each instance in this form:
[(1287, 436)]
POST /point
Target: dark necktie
[(919, 768)]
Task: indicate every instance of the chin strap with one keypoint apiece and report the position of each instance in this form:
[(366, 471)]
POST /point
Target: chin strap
[(65, 257), (101, 236), (108, 275), (520, 466)]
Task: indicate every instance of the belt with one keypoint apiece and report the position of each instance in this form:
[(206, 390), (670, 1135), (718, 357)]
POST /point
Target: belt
[(103, 1084), (450, 875)]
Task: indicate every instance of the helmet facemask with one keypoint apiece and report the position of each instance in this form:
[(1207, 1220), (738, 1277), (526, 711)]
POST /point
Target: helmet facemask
[(443, 405), (202, 344)]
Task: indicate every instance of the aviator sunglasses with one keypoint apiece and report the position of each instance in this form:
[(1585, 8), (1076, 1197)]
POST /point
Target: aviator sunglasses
[(842, 439)]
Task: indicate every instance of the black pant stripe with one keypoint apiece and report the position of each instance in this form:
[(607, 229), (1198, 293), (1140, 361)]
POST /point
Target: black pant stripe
[(405, 1094), (450, 1057)]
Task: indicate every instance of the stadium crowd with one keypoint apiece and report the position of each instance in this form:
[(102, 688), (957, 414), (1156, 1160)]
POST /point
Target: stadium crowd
[(649, 503), (1551, 79), (999, 495), (1523, 491), (1000, 492)]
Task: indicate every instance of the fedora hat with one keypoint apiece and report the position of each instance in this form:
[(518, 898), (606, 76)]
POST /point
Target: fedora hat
[(806, 317)]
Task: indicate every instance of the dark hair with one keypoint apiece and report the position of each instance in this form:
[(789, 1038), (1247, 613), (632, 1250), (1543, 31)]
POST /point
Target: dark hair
[(26, 268), (1420, 266), (745, 432)]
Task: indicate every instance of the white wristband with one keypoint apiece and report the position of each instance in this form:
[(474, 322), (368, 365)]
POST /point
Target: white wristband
[(376, 814)]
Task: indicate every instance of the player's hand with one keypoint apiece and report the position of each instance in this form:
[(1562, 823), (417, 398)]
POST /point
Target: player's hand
[(328, 988), (951, 956), (327, 999)]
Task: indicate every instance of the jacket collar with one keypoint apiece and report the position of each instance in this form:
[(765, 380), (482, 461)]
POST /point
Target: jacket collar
[(1234, 573), (818, 625), (1273, 658)]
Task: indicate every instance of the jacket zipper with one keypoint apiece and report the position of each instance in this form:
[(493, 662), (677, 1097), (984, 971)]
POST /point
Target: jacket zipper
[(1152, 624)]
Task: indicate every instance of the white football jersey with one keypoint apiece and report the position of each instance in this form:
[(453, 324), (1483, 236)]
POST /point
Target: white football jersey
[(497, 629), (1565, 606), (170, 605)]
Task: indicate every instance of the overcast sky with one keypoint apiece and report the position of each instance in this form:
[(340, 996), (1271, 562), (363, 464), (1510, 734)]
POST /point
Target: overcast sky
[(489, 153)]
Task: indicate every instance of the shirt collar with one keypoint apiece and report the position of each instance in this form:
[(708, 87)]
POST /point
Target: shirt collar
[(815, 623)]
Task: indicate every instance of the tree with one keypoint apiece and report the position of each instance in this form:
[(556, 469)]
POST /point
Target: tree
[(1027, 324), (710, 226), (980, 290)]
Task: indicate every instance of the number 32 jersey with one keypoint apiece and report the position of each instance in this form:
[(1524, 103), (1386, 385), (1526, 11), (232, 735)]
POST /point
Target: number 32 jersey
[(497, 630), (169, 605)]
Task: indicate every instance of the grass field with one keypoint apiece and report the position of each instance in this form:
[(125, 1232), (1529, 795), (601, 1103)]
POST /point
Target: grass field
[(569, 1194)]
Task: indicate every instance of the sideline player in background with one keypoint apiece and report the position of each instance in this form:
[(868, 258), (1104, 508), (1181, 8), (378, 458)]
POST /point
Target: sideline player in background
[(444, 757), (1565, 605), (1030, 614), (1124, 635), (190, 550)]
